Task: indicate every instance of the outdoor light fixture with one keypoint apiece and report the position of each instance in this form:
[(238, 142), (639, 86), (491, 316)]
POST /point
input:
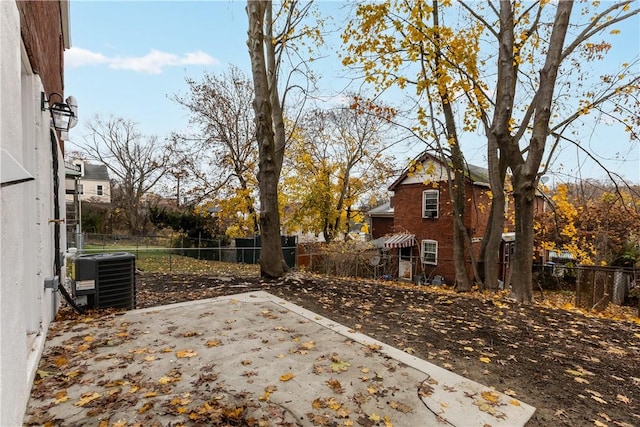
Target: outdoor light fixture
[(63, 114)]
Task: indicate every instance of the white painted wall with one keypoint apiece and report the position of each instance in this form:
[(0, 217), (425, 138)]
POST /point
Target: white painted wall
[(26, 243)]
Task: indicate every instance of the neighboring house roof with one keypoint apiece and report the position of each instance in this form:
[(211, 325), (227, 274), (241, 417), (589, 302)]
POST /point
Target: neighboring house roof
[(383, 211), (96, 172), (477, 174)]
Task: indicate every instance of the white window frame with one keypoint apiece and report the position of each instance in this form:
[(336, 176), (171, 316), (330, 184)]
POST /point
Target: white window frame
[(425, 195), (423, 250), (99, 190)]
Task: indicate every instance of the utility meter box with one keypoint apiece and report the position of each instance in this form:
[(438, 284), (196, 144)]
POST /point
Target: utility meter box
[(104, 280)]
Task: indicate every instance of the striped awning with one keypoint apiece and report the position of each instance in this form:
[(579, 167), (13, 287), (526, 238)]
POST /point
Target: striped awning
[(402, 240)]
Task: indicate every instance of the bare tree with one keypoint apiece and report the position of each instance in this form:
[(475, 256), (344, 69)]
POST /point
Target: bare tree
[(223, 155), (336, 159), (136, 162)]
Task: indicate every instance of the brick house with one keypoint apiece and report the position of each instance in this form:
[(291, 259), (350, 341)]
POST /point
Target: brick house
[(418, 221)]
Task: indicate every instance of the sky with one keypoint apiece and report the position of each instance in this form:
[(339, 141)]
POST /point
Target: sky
[(128, 58)]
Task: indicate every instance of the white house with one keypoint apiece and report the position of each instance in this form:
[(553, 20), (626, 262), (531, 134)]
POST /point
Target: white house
[(93, 183), (33, 35)]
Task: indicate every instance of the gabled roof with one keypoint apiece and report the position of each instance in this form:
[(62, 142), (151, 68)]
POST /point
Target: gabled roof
[(476, 174), (96, 172), (385, 210)]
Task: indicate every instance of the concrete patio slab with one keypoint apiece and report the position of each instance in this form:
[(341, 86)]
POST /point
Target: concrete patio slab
[(257, 357)]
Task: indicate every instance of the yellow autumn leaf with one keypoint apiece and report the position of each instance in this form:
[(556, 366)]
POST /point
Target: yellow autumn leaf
[(581, 380), (213, 343), (287, 377), (86, 398), (599, 423), (468, 348), (145, 407), (61, 397), (150, 358), (597, 399), (490, 396), (186, 353), (151, 394), (485, 359), (307, 345), (168, 380), (374, 417), (514, 402), (60, 361), (88, 338)]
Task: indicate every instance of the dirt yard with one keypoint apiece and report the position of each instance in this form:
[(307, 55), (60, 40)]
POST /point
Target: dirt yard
[(578, 370)]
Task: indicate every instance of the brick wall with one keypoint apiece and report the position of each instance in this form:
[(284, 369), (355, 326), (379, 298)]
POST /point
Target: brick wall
[(41, 30), (408, 218), (381, 226)]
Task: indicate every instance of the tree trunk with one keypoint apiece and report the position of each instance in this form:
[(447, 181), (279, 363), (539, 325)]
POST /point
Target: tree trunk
[(522, 285), (272, 262), (493, 233), (457, 187)]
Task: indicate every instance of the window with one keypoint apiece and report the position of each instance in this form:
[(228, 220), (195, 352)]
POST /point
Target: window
[(429, 253), (430, 203), (99, 190)]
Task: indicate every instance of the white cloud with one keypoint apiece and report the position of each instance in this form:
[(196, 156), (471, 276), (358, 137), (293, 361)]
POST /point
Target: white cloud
[(152, 63), (78, 57)]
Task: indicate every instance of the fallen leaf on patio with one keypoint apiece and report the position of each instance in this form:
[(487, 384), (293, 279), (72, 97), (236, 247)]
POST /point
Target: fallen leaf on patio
[(514, 402), (151, 394), (490, 396), (88, 338), (485, 359), (168, 380), (150, 358), (400, 407), (409, 350), (335, 386), (387, 422), (60, 361), (374, 417), (267, 393), (339, 365), (287, 377), (86, 398), (145, 407), (307, 345), (61, 397), (186, 353), (213, 343)]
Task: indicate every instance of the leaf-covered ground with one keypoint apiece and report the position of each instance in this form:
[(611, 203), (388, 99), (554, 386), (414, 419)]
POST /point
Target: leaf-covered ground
[(576, 368)]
